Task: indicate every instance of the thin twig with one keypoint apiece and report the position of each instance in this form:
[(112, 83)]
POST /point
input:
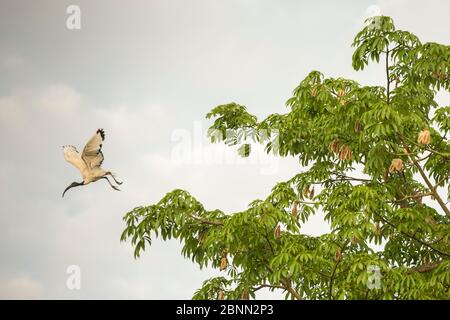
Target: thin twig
[(214, 223)]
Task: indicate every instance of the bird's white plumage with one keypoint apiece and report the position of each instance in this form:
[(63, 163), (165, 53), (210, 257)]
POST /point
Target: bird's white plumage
[(89, 161), (92, 152), (73, 157)]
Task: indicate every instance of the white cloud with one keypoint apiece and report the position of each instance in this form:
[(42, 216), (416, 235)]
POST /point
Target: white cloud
[(10, 61), (24, 106), (57, 99), (160, 165), (20, 287), (10, 112), (373, 11)]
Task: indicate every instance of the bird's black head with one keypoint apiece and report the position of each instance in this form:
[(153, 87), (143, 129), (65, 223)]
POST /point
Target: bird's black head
[(73, 184)]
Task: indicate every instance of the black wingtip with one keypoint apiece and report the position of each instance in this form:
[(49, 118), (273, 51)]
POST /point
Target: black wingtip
[(102, 133)]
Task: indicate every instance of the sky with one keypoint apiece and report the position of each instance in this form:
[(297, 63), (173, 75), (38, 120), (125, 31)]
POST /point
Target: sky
[(148, 72)]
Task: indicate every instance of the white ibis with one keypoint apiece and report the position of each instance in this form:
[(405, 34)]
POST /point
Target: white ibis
[(89, 162)]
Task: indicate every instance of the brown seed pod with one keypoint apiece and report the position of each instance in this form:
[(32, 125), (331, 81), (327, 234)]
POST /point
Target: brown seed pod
[(306, 191), (245, 295), (334, 146), (223, 263), (277, 232), (338, 255), (355, 239), (377, 229), (311, 193), (439, 75), (424, 137), (345, 153), (221, 296), (396, 165), (294, 212), (314, 92), (350, 153), (358, 127)]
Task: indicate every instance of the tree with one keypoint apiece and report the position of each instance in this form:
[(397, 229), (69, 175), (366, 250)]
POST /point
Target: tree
[(375, 161)]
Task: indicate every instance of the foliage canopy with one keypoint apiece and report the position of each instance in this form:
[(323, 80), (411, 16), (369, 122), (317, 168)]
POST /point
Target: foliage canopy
[(375, 161)]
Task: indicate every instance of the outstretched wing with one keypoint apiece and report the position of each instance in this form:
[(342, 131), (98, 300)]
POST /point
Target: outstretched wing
[(92, 152), (73, 156)]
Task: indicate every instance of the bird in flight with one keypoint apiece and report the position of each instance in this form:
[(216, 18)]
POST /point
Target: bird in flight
[(89, 162)]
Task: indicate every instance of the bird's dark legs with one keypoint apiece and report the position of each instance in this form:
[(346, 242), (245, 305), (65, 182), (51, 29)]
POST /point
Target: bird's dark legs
[(112, 186), (115, 180)]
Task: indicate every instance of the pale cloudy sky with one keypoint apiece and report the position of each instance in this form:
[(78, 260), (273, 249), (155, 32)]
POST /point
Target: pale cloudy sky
[(148, 72)]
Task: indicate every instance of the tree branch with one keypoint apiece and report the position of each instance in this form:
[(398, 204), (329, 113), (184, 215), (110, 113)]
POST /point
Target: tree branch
[(330, 292), (387, 78), (291, 290), (204, 221), (425, 267), (427, 181), (261, 286), (441, 181), (418, 195), (444, 155), (416, 239), (286, 286), (330, 286)]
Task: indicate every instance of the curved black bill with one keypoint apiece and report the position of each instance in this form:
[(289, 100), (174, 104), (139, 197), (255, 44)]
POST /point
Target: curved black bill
[(73, 184)]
